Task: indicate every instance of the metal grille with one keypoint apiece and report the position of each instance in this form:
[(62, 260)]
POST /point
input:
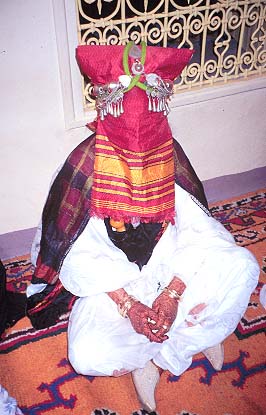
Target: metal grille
[(229, 37)]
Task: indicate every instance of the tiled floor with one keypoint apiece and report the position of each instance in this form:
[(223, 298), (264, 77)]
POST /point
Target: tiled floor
[(220, 188)]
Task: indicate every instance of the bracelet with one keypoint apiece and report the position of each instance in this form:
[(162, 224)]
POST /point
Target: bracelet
[(173, 294), (126, 305)]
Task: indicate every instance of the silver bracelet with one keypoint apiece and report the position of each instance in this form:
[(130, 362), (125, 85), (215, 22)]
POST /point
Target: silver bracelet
[(173, 294), (125, 306)]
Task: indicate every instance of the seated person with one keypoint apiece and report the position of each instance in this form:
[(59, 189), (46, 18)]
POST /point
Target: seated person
[(127, 242)]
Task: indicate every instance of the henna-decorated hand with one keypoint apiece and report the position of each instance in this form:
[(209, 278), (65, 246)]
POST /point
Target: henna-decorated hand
[(166, 306), (166, 309), (139, 314)]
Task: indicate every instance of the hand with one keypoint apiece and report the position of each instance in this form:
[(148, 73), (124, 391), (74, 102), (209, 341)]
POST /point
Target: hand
[(166, 309), (166, 305), (139, 314)]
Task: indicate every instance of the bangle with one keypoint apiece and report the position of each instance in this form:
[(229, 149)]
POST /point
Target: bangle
[(173, 294), (126, 305)]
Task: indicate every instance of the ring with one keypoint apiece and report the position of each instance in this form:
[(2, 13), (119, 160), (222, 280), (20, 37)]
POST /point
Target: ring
[(165, 327)]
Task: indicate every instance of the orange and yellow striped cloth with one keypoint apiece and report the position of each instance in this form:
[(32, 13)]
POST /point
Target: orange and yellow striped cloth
[(129, 184)]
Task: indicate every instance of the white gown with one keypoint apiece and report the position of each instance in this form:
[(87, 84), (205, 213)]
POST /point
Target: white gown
[(219, 278)]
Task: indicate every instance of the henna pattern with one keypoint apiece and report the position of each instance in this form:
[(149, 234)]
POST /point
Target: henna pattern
[(166, 305), (139, 314), (166, 309)]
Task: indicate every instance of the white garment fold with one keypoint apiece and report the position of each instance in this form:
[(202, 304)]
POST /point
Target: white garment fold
[(95, 265), (218, 274)]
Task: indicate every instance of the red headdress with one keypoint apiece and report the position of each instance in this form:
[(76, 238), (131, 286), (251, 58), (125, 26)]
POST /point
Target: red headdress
[(134, 167)]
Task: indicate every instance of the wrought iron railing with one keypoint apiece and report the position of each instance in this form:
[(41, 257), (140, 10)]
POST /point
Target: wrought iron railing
[(229, 36)]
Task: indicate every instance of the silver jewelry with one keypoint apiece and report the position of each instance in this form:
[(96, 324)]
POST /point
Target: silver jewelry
[(137, 68), (158, 92), (173, 294), (126, 305), (109, 97)]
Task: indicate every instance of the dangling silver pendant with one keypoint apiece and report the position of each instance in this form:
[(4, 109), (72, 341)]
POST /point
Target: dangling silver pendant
[(150, 106), (154, 104), (121, 106), (158, 93)]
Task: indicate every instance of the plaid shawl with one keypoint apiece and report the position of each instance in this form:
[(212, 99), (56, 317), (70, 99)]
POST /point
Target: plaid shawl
[(66, 214)]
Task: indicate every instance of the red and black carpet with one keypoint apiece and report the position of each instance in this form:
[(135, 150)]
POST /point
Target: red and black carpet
[(35, 370)]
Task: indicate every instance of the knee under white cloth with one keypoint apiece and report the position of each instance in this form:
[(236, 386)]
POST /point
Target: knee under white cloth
[(219, 278)]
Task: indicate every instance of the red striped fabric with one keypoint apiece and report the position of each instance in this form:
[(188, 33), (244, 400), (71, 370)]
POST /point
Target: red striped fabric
[(129, 184)]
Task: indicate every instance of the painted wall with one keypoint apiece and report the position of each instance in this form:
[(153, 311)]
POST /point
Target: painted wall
[(224, 135), (221, 136)]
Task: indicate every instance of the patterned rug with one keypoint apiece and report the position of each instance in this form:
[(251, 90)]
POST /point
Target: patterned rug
[(35, 370)]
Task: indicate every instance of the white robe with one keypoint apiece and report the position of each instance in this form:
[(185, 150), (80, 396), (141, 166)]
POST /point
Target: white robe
[(197, 249)]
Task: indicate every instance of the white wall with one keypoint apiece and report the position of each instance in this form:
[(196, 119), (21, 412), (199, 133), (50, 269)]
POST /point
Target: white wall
[(226, 134), (221, 136), (33, 136)]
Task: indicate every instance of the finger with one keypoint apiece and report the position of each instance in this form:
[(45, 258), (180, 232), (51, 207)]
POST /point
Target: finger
[(158, 325), (153, 314), (164, 337), (160, 334), (155, 308), (168, 323), (152, 333), (152, 337), (161, 321), (153, 320), (164, 327), (150, 327)]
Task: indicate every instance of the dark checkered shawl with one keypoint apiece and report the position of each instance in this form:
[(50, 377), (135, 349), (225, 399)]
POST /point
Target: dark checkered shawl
[(66, 214)]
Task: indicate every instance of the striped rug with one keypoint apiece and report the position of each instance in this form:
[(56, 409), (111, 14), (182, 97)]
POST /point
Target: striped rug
[(35, 370)]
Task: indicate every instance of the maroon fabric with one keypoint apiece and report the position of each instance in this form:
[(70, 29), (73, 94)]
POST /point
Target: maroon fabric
[(137, 129), (103, 64), (66, 211), (134, 168)]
